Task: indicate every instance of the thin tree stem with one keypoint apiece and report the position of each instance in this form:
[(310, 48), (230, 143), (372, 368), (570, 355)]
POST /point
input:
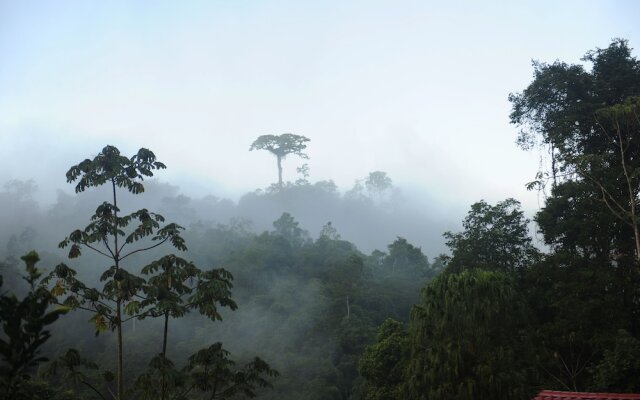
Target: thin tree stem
[(116, 259), (144, 249), (164, 355), (94, 389), (279, 171), (166, 328), (120, 351)]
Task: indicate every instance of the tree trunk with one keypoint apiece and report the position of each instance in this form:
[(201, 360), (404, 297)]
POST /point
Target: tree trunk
[(164, 356), (348, 308), (164, 340), (632, 195), (637, 235), (279, 171), (120, 394), (116, 259)]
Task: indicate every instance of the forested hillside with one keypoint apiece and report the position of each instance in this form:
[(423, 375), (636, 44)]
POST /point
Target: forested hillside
[(121, 302), (306, 304)]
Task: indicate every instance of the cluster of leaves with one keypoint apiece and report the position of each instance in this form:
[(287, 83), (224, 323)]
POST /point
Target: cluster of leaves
[(494, 238), (209, 373), (383, 364), (24, 323), (468, 339)]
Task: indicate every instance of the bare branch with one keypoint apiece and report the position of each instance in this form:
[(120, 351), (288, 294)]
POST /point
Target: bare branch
[(605, 194), (96, 250), (122, 247), (106, 243), (94, 389), (103, 304), (144, 249), (614, 212)]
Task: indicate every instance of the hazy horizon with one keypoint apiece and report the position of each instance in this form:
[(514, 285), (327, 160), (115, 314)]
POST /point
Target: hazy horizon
[(418, 91)]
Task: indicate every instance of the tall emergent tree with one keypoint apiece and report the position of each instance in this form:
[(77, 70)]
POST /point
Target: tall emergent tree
[(281, 146), (174, 286)]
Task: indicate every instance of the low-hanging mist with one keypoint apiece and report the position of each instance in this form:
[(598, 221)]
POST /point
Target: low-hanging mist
[(309, 296)]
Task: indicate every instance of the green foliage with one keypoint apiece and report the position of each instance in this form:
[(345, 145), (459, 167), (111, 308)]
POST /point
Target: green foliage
[(405, 258), (329, 232), (494, 238), (75, 373), (281, 146), (287, 227), (24, 330), (583, 293), (569, 217), (212, 373), (558, 107), (111, 167), (383, 363), (619, 369), (160, 379), (169, 291), (378, 185), (312, 307), (378, 182), (209, 374), (587, 120), (467, 339), (576, 306), (171, 286), (375, 188)]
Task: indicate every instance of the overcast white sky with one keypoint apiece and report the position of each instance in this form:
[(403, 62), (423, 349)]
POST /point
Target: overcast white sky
[(414, 88)]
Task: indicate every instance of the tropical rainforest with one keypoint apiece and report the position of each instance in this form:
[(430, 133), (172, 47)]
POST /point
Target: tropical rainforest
[(130, 290)]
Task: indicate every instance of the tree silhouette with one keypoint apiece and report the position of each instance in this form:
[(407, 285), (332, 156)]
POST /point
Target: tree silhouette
[(281, 146), (125, 296)]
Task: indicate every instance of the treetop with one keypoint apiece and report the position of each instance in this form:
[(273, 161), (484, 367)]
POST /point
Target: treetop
[(109, 165), (281, 145)]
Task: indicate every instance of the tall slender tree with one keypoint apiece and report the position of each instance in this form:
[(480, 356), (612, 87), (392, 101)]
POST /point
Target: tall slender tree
[(125, 295), (281, 146)]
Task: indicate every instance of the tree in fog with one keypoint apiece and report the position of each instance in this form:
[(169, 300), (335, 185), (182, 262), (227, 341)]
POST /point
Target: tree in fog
[(169, 287), (281, 146), (494, 238), (378, 184)]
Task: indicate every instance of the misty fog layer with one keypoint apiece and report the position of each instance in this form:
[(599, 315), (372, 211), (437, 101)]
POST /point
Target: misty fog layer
[(369, 220), (309, 296)]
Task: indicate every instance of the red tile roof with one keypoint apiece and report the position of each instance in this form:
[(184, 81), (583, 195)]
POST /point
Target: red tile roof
[(554, 395)]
